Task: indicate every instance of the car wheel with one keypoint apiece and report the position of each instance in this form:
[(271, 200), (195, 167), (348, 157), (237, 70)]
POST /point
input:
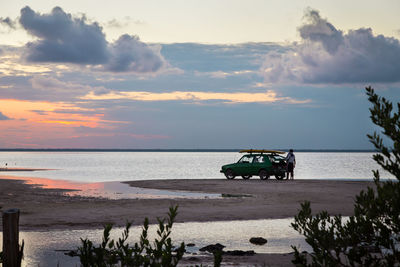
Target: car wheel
[(246, 177), (279, 176), (229, 174), (264, 175)]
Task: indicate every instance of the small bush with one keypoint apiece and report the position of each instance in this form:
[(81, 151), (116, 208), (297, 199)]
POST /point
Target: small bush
[(159, 253)]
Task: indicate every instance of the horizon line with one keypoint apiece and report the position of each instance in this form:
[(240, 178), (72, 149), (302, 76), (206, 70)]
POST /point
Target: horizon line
[(167, 150)]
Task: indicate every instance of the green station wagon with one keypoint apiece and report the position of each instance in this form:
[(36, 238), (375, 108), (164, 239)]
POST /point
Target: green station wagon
[(263, 163)]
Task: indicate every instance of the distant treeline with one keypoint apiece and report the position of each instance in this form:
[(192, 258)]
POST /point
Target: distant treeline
[(168, 150)]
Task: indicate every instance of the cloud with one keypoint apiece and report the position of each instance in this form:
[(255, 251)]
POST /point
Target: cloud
[(64, 38), (8, 22), (114, 23), (237, 97), (57, 89), (44, 112), (40, 112), (128, 53), (11, 65), (221, 57), (320, 30), (49, 88), (327, 55), (50, 83), (222, 74), (3, 117)]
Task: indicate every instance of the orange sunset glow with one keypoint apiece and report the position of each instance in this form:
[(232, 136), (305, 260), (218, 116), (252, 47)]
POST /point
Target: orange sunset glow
[(44, 120), (46, 112)]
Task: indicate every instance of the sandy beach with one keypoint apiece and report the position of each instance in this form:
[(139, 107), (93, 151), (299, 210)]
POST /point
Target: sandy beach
[(50, 209), (46, 209)]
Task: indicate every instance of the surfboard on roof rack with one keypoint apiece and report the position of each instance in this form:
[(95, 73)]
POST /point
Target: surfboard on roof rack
[(261, 151)]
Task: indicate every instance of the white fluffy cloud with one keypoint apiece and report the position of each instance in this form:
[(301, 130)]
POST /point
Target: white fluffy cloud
[(64, 38), (327, 55)]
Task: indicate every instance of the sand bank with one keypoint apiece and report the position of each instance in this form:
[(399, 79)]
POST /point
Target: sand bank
[(43, 209)]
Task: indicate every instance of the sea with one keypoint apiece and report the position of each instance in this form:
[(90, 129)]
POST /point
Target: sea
[(91, 167), (46, 248)]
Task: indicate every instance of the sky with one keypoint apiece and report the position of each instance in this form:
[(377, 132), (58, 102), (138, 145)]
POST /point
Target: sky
[(210, 74)]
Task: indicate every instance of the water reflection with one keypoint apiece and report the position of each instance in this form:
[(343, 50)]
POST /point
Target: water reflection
[(110, 190), (41, 247)]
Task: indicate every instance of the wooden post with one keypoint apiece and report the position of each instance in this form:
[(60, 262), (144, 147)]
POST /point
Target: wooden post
[(11, 253)]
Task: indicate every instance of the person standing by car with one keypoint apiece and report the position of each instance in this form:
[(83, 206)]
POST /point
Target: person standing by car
[(291, 163)]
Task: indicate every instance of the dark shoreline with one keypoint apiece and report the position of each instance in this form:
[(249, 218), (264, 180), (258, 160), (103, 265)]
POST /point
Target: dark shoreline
[(11, 169)]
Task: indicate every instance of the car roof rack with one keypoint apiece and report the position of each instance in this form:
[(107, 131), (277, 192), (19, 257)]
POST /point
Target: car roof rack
[(261, 151)]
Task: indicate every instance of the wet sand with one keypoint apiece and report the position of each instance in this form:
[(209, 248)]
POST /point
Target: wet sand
[(51, 209)]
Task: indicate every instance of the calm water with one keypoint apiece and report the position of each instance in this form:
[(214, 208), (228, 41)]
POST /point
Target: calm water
[(41, 248), (128, 166)]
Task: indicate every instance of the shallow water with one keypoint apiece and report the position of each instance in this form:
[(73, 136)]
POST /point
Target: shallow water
[(118, 190), (41, 247), (128, 166), (112, 190)]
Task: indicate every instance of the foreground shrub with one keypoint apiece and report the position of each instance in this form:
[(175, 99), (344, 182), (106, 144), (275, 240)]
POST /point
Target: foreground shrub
[(371, 237), (158, 253)]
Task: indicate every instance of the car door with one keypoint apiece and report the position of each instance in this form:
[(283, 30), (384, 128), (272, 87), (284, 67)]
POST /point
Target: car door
[(244, 165), (267, 165), (258, 164)]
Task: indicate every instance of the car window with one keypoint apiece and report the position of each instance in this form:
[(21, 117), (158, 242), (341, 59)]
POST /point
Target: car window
[(259, 159), (246, 159), (276, 158)]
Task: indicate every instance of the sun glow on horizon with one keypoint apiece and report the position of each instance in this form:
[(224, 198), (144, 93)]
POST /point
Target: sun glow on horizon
[(32, 121), (269, 96)]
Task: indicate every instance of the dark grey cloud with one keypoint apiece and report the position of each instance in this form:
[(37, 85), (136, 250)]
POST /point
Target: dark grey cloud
[(74, 111), (327, 55), (320, 30), (130, 54), (3, 117), (40, 112), (8, 22), (64, 38)]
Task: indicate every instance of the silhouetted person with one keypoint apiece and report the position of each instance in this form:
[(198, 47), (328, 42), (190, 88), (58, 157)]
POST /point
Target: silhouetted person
[(291, 163)]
